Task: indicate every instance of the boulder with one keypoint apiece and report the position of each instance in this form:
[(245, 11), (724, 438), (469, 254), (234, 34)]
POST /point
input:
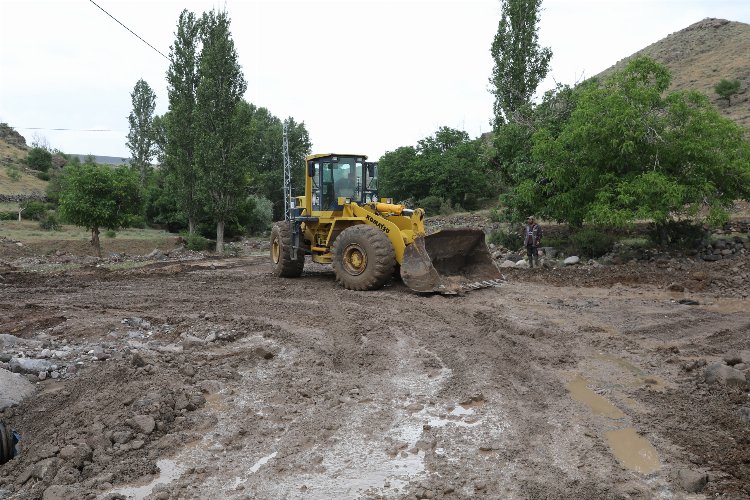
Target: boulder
[(30, 365), (723, 374), (572, 260), (13, 389), (550, 252), (692, 481), (508, 263), (143, 423)]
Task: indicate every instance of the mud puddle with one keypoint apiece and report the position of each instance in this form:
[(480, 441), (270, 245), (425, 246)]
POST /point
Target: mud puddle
[(633, 451)]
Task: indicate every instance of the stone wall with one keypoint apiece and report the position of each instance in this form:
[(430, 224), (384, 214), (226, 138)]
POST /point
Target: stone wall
[(20, 198)]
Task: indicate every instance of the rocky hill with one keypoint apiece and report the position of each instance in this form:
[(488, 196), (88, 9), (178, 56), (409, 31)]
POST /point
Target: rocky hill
[(703, 54)]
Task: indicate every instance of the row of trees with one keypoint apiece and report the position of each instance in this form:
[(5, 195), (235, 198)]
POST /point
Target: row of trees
[(217, 151)]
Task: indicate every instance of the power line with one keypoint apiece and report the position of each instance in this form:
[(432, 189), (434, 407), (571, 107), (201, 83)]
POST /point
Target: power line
[(67, 129), (139, 38)]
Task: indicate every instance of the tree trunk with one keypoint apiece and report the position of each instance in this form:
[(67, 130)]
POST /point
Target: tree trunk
[(95, 241), (191, 225), (220, 237)]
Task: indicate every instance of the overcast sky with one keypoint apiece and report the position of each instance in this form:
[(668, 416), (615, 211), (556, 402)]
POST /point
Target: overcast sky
[(365, 76)]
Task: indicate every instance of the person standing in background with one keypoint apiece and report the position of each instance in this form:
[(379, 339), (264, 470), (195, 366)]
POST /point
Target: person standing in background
[(532, 238)]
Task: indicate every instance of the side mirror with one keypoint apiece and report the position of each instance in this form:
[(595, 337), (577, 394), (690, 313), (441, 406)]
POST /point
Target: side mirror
[(371, 168), (310, 169)]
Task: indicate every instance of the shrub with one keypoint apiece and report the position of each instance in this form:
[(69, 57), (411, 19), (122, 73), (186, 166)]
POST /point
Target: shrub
[(39, 159), (196, 242), (507, 238), (8, 215), (430, 204), (592, 241), (49, 222), (34, 210), (43, 176), (447, 209), (13, 173), (137, 221), (258, 214), (109, 233), (682, 235)]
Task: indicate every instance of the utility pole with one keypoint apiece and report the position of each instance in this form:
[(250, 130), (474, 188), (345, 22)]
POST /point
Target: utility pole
[(287, 176)]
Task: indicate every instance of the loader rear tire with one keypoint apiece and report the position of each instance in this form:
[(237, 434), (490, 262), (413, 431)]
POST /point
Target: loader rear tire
[(363, 258), (281, 257)]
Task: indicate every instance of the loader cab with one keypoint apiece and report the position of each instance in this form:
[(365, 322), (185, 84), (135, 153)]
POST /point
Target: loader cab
[(340, 176)]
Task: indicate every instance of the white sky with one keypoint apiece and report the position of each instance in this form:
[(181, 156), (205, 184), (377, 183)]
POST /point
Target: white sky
[(365, 76)]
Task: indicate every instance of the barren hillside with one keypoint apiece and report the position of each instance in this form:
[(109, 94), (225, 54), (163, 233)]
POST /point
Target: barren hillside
[(703, 54)]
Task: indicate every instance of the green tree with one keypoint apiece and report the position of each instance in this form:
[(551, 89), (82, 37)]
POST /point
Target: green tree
[(520, 63), (632, 151), (448, 165), (39, 159), (95, 197), (267, 175), (726, 89), (180, 133), (141, 135), (221, 119)]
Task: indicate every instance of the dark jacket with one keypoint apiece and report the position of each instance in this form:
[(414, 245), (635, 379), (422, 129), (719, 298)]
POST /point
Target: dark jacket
[(532, 234)]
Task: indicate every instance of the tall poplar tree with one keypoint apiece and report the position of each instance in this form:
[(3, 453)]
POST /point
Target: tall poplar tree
[(141, 137), (221, 119), (520, 63), (179, 122)]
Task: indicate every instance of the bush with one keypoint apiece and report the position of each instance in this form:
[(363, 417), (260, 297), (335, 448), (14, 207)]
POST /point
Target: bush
[(507, 238), (682, 235), (13, 173), (447, 209), (39, 159), (49, 222), (258, 214), (137, 221), (43, 176), (8, 215), (430, 204), (196, 242), (592, 241), (110, 233), (34, 210)]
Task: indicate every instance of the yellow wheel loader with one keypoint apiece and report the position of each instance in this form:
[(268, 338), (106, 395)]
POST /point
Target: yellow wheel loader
[(341, 221)]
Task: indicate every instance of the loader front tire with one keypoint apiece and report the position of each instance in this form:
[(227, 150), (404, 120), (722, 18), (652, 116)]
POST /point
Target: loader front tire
[(363, 258), (281, 256)]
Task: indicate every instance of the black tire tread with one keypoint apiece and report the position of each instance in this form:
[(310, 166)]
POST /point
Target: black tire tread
[(286, 267), (380, 256)]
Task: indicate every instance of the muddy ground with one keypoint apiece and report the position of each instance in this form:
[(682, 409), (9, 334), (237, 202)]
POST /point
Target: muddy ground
[(214, 379)]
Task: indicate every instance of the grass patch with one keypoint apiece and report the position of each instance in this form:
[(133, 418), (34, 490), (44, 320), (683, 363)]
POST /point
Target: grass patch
[(8, 206), (27, 231), (26, 183)]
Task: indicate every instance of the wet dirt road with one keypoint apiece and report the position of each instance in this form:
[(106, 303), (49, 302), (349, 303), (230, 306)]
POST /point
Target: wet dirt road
[(214, 379)]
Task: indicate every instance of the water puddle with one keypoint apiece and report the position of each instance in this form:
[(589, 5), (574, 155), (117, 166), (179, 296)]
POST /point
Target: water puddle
[(169, 470), (578, 388), (633, 451)]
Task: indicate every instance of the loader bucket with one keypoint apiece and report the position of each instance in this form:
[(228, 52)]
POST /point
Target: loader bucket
[(449, 261)]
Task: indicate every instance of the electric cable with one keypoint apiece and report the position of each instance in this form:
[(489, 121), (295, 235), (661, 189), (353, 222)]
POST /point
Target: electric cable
[(136, 35)]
